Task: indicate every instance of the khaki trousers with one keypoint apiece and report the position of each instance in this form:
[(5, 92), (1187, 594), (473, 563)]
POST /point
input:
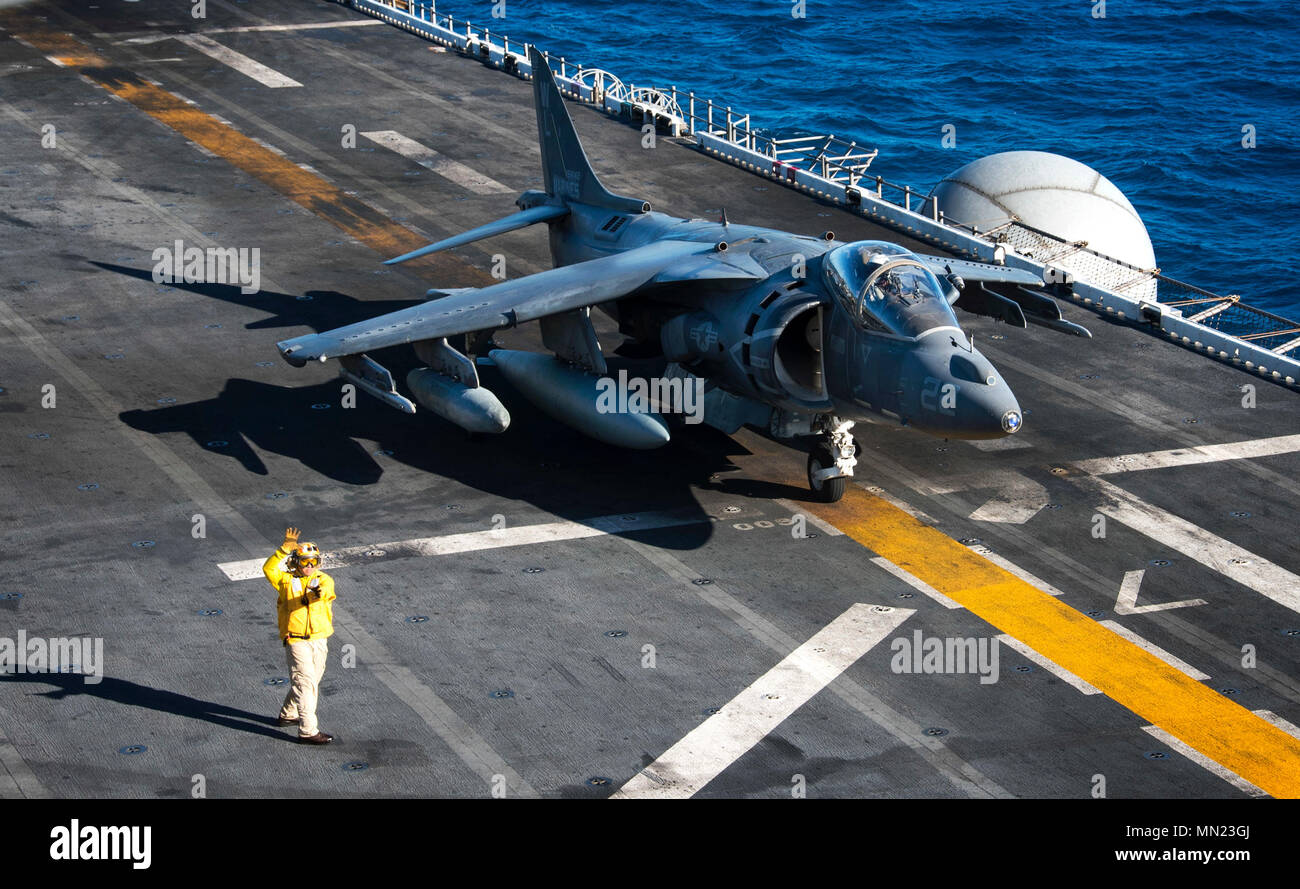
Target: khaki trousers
[(306, 667)]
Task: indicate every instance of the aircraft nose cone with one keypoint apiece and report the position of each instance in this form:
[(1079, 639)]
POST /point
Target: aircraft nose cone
[(987, 410), (960, 394)]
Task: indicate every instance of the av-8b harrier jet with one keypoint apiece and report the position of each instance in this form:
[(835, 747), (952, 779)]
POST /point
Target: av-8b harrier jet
[(798, 335)]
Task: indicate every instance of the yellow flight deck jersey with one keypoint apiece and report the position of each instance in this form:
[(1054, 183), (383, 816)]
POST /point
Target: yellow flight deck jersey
[(299, 622)]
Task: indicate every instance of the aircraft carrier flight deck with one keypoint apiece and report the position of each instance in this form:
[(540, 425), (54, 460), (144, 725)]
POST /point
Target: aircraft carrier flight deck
[(535, 613)]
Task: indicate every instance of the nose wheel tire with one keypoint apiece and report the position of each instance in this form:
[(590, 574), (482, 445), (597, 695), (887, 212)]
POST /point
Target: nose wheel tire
[(828, 490)]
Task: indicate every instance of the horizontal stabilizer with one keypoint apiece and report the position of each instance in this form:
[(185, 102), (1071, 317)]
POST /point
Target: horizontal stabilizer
[(509, 223), (978, 271), (1012, 295)]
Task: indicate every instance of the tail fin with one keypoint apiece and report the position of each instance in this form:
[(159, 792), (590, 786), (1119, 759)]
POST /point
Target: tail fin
[(565, 167)]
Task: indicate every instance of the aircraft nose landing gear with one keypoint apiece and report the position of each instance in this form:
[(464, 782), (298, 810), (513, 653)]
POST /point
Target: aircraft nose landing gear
[(832, 459)]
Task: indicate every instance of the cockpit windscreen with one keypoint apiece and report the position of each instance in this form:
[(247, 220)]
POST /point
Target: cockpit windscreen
[(884, 288)]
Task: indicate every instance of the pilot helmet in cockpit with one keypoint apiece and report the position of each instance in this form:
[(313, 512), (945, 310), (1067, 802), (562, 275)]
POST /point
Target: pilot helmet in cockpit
[(886, 288)]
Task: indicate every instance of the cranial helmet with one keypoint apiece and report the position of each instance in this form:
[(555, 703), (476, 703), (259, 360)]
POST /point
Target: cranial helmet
[(306, 554)]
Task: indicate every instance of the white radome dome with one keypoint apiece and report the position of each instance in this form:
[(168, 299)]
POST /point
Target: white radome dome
[(1050, 192)]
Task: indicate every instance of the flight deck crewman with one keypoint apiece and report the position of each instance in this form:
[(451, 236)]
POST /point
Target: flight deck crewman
[(306, 621)]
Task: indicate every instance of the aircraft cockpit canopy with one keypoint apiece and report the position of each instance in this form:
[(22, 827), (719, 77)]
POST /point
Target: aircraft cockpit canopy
[(885, 288)]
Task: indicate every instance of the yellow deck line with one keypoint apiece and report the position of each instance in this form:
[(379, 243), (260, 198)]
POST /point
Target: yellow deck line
[(1224, 731), (1189, 710), (354, 216), (59, 46)]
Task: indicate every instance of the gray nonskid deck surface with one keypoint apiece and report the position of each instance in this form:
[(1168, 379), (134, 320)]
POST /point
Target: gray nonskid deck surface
[(536, 674)]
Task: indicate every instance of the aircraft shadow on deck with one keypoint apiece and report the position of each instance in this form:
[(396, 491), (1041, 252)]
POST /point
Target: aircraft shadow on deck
[(321, 310), (538, 459)]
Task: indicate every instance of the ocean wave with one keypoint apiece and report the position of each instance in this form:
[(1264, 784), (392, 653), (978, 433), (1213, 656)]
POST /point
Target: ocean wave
[(1154, 96)]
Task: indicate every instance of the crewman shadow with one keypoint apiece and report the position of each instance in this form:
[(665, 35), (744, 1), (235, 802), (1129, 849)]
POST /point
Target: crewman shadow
[(123, 691)]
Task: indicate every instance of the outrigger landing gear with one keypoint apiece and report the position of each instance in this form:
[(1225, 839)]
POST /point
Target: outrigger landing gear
[(832, 459)]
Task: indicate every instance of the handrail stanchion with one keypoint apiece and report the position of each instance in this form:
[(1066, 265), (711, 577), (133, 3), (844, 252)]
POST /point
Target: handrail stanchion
[(833, 160)]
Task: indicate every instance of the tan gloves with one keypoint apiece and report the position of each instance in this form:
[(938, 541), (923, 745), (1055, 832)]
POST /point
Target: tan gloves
[(290, 540)]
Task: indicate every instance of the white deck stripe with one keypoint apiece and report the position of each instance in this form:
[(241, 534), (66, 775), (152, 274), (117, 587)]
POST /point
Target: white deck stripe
[(1005, 564), (244, 29), (1240, 450), (1195, 542), (473, 749), (906, 507), (914, 582), (1012, 568), (472, 541), (1126, 602), (964, 776), (983, 550), (1288, 727), (451, 170), (1050, 666), (749, 717), (237, 60), (305, 26), (1009, 443), (1152, 648), (1204, 761), (16, 779), (1015, 511), (819, 523)]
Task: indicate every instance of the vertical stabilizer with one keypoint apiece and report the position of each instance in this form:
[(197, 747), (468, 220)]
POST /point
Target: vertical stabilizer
[(565, 168)]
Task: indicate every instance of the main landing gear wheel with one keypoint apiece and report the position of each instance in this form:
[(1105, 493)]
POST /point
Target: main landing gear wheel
[(830, 490)]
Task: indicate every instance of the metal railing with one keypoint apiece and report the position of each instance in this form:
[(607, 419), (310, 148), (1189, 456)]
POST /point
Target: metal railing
[(833, 169), (680, 114)]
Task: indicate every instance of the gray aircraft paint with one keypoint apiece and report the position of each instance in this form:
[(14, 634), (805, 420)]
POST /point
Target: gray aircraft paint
[(725, 303)]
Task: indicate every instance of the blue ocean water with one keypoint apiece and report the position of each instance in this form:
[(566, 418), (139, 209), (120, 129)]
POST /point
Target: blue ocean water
[(1153, 95)]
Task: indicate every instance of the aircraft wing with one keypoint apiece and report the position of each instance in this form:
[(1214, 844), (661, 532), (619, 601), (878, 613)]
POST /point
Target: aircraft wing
[(505, 304), (979, 271), (733, 265)]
